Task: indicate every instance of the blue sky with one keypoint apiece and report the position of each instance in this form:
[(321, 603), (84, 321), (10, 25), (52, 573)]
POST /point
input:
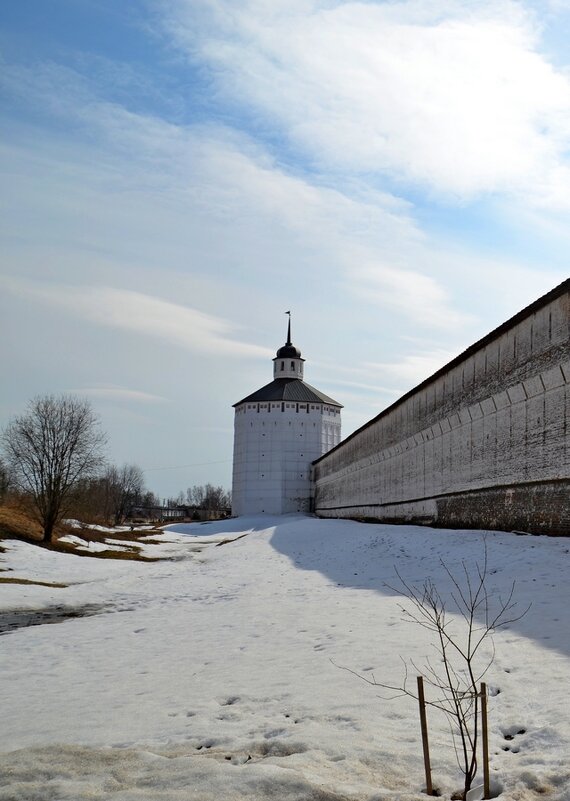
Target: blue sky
[(176, 174)]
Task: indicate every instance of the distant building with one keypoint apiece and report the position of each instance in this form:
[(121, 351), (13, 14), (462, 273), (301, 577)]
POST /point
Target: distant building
[(157, 512), (279, 430)]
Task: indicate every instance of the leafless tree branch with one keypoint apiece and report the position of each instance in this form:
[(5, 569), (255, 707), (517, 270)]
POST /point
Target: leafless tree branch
[(461, 661), (49, 449)]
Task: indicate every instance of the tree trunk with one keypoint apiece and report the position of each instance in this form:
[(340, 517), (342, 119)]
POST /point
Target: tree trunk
[(50, 520), (48, 531)]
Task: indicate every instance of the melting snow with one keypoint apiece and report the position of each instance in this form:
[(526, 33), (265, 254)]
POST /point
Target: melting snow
[(210, 674)]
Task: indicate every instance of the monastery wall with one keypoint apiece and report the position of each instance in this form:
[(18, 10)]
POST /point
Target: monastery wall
[(483, 443)]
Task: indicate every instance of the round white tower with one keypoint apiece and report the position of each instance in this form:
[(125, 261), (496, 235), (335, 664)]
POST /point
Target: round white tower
[(279, 430)]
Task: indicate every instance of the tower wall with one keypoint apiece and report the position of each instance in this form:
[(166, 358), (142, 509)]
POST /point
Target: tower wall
[(274, 445), (287, 367)]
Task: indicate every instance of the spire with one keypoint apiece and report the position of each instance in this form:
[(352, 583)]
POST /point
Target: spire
[(288, 362)]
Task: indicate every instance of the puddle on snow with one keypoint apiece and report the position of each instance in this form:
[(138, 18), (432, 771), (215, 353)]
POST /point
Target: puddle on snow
[(21, 618)]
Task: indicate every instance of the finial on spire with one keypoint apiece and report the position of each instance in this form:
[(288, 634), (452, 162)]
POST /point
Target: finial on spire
[(288, 329)]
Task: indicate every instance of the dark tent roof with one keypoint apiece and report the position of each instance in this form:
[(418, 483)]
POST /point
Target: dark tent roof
[(288, 351), (289, 389)]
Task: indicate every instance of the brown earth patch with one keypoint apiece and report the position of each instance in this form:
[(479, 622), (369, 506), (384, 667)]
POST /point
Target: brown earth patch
[(17, 522)]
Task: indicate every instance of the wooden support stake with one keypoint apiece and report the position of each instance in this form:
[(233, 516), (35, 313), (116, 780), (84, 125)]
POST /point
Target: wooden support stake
[(485, 735), (425, 742)]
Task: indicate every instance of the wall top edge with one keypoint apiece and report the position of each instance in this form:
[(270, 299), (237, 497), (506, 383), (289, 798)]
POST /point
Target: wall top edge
[(558, 291)]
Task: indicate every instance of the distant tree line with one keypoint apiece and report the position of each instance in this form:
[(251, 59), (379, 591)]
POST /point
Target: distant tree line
[(203, 496), (114, 494), (53, 459)]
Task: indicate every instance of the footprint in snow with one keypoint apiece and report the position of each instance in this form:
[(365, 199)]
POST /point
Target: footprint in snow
[(206, 744), (510, 735), (232, 699)]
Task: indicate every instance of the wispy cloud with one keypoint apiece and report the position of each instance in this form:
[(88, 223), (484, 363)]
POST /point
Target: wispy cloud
[(412, 368), (411, 293), (451, 95), (115, 393), (186, 181), (144, 315)]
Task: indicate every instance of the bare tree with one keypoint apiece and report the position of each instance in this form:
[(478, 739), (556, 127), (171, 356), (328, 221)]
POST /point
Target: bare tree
[(195, 495), (5, 480), (123, 487), (208, 497), (149, 499), (462, 627), (49, 449)]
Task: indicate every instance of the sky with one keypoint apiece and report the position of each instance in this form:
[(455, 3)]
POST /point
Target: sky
[(177, 174)]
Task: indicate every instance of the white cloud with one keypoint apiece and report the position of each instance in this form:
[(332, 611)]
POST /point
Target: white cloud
[(144, 315), (361, 385), (412, 293), (557, 6), (413, 368), (111, 392), (454, 96), (184, 181), (195, 197)]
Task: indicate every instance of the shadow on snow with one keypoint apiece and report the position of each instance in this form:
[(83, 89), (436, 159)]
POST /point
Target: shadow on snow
[(366, 556)]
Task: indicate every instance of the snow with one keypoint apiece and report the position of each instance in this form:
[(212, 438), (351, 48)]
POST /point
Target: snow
[(92, 545), (214, 672), (103, 529)]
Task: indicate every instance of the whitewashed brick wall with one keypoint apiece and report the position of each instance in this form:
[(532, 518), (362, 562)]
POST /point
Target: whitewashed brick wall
[(484, 443), (274, 445)]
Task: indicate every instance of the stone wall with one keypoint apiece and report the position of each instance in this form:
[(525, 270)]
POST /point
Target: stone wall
[(483, 443), (274, 445)]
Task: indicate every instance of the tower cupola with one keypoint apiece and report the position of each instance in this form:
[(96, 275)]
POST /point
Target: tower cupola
[(288, 362)]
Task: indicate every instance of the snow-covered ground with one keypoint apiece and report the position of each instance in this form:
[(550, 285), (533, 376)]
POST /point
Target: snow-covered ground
[(212, 674)]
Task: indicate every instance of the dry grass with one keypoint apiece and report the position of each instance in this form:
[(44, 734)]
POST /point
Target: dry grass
[(16, 522), (29, 581), (132, 554), (92, 535)]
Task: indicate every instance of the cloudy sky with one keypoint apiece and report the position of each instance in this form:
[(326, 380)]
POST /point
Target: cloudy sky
[(176, 174)]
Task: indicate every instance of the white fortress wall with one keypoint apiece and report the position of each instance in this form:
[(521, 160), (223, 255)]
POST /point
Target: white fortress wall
[(484, 442)]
